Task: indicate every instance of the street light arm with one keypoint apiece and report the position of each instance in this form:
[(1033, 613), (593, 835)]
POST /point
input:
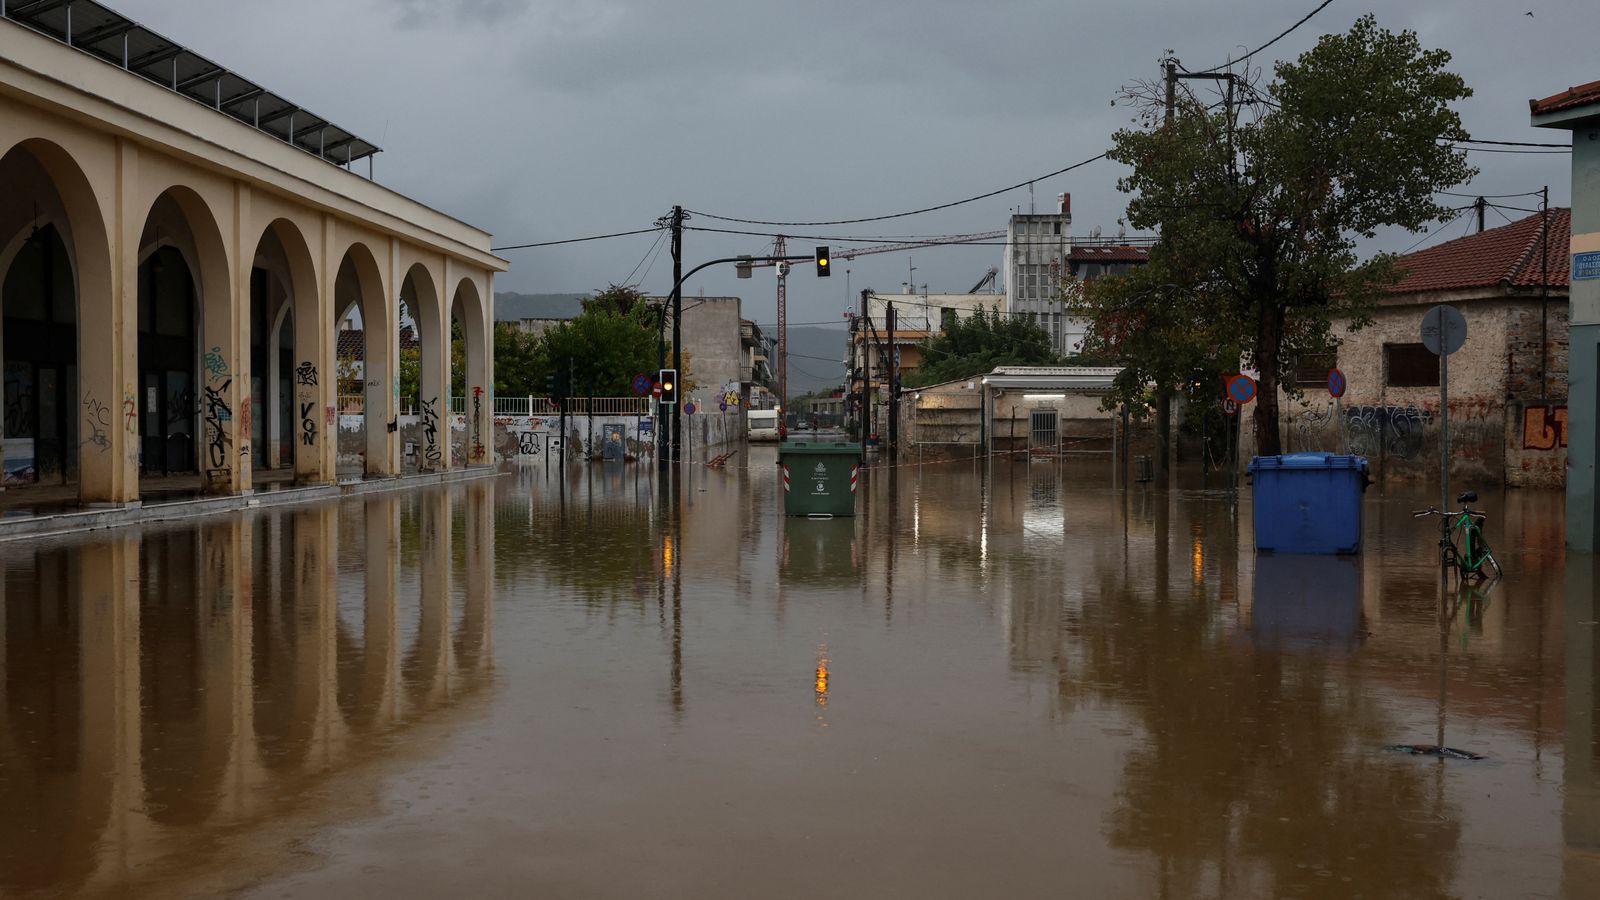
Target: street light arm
[(736, 259)]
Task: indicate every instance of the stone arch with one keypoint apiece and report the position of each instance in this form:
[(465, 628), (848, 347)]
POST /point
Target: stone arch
[(288, 279), (191, 423), (477, 378), (359, 285), (420, 293), (42, 183)]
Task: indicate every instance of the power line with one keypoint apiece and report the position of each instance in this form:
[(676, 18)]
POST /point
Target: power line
[(1513, 144), (596, 237), (1435, 233), (901, 215), (1285, 33), (653, 248), (1504, 150), (1487, 196)]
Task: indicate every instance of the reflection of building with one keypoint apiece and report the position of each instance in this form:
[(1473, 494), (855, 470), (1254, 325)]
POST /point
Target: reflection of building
[(185, 687), (177, 246)]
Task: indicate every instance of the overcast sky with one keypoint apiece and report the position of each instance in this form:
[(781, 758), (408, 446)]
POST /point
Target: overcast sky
[(547, 119)]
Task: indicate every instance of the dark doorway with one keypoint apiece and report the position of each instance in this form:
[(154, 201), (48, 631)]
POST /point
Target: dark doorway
[(40, 376), (167, 362)]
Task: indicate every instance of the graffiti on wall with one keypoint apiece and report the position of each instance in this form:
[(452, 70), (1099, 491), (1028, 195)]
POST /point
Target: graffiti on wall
[(430, 431), (216, 414), (98, 417), (1385, 430), (477, 424), (1544, 427)]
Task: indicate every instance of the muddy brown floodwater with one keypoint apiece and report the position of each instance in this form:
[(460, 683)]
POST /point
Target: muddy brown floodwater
[(1012, 683)]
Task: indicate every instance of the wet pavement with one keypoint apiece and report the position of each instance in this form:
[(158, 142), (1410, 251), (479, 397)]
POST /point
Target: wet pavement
[(1015, 682)]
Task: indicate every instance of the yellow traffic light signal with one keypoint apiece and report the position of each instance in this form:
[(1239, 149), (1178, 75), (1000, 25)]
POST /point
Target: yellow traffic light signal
[(822, 262)]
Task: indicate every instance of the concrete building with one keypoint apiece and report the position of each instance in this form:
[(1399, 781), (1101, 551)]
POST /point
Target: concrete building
[(1508, 382), (713, 341), (178, 245), (1021, 410), (1035, 264), (759, 378), (1578, 110)]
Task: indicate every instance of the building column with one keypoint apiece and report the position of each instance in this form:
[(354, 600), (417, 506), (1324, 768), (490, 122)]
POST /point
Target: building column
[(435, 387), (108, 344), (1583, 413), (315, 427), (224, 382)]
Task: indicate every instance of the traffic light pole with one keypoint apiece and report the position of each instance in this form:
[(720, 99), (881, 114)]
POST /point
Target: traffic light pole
[(676, 450)]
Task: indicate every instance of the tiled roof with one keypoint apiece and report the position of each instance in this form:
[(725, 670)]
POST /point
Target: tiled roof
[(1115, 253), (1504, 257), (1582, 95), (353, 342)]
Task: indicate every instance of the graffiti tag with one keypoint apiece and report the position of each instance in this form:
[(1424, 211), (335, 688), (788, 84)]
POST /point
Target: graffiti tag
[(306, 374), (1544, 427), (217, 414), (430, 429), (98, 416)]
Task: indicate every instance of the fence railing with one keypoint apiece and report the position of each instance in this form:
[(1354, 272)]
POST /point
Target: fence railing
[(542, 407)]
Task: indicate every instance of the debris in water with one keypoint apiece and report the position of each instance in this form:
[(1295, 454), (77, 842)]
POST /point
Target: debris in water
[(1432, 750)]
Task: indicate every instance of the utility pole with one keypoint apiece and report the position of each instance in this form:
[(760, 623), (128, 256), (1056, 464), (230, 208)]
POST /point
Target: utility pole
[(780, 248), (866, 369), (1480, 205), (677, 328), (894, 387)]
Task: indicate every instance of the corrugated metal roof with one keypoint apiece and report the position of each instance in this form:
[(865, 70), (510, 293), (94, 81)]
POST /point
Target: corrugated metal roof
[(107, 35)]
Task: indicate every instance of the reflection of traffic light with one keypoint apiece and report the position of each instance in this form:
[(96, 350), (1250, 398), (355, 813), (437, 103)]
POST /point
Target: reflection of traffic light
[(669, 386), (822, 262)]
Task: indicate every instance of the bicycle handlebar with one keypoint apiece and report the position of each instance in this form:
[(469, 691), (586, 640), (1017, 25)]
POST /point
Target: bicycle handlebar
[(1436, 511)]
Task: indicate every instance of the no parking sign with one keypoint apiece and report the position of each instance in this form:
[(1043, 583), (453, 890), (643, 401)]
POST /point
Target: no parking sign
[(1241, 389)]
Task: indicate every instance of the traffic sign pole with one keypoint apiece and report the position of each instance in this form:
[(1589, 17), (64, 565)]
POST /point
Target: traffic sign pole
[(1444, 330)]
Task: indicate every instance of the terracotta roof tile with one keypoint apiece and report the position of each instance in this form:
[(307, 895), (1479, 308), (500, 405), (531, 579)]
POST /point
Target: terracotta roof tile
[(1508, 256), (1582, 95), (1113, 253), (352, 342)]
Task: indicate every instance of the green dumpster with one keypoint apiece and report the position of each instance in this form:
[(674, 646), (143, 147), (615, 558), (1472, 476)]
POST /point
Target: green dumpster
[(819, 477)]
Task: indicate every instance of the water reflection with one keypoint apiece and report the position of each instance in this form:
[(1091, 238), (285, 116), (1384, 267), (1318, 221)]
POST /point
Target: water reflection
[(165, 692)]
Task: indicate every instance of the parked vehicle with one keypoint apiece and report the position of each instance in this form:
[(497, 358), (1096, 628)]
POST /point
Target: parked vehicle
[(763, 424)]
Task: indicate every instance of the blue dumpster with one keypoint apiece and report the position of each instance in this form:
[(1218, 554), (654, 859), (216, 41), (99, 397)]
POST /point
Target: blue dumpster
[(1308, 502)]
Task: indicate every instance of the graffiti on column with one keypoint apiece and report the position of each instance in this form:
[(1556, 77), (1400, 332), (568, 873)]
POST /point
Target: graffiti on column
[(305, 374), (98, 417), (430, 431), (217, 414), (477, 423), (215, 365), (246, 425), (1544, 427), (308, 422)]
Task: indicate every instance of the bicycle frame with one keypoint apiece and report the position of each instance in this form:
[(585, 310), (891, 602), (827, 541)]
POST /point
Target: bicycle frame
[(1461, 541)]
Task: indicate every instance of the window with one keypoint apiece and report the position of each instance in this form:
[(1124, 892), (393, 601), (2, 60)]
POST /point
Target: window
[(1311, 369), (947, 317), (1410, 365)]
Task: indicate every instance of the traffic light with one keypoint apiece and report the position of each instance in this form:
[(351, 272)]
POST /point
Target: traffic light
[(668, 379), (822, 262), (550, 386)]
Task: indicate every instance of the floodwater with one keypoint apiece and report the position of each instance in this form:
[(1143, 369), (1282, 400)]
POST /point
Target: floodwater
[(1012, 683)]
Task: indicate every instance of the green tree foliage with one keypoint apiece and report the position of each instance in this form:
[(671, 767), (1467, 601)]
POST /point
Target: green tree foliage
[(516, 362), (1260, 206), (617, 298), (978, 344), (603, 348)]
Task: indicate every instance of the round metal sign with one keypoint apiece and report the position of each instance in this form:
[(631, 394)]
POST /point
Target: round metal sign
[(1241, 388), (1336, 383), (642, 383), (655, 389), (1444, 330), (1229, 407), (723, 406), (689, 408)]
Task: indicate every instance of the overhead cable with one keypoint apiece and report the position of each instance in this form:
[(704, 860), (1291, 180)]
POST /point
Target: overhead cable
[(595, 237)]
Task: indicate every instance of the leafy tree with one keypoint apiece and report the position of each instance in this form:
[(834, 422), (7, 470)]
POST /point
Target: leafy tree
[(979, 343), (516, 362), (1260, 205), (603, 348), (617, 298)]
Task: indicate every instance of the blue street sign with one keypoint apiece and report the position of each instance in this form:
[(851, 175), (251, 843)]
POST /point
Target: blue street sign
[(1585, 265), (1336, 383), (1241, 388)]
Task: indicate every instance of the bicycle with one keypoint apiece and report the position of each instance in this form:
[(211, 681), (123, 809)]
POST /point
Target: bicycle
[(1471, 557)]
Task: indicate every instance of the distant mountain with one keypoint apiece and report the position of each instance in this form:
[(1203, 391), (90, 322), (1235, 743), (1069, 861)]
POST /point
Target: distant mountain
[(510, 307), (816, 358)]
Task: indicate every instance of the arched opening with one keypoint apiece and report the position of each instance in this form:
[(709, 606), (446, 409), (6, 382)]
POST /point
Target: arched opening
[(423, 400), (282, 283), (469, 377), (40, 433), (187, 368), (363, 351)]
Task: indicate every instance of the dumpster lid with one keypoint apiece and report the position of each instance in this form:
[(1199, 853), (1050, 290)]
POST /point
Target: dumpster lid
[(1308, 461), (812, 447)]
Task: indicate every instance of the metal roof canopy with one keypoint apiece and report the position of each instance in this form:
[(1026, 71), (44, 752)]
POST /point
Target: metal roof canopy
[(122, 42)]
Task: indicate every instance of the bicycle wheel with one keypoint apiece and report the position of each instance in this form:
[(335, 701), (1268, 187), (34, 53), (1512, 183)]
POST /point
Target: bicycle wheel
[(1478, 560)]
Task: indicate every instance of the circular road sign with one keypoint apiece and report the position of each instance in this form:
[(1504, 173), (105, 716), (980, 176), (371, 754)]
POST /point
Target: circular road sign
[(642, 384), (1229, 407), (689, 408), (1443, 330), (1241, 388), (655, 390), (1336, 383)]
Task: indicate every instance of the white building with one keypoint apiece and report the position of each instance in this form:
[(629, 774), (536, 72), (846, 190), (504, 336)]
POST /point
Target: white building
[(1037, 246)]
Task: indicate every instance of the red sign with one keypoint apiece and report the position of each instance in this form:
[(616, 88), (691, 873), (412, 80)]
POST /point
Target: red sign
[(1229, 407), (655, 390), (1336, 383)]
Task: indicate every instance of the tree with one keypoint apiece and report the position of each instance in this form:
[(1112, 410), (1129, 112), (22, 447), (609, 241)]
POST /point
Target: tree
[(516, 362), (1260, 204), (979, 343), (617, 298), (603, 350)]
